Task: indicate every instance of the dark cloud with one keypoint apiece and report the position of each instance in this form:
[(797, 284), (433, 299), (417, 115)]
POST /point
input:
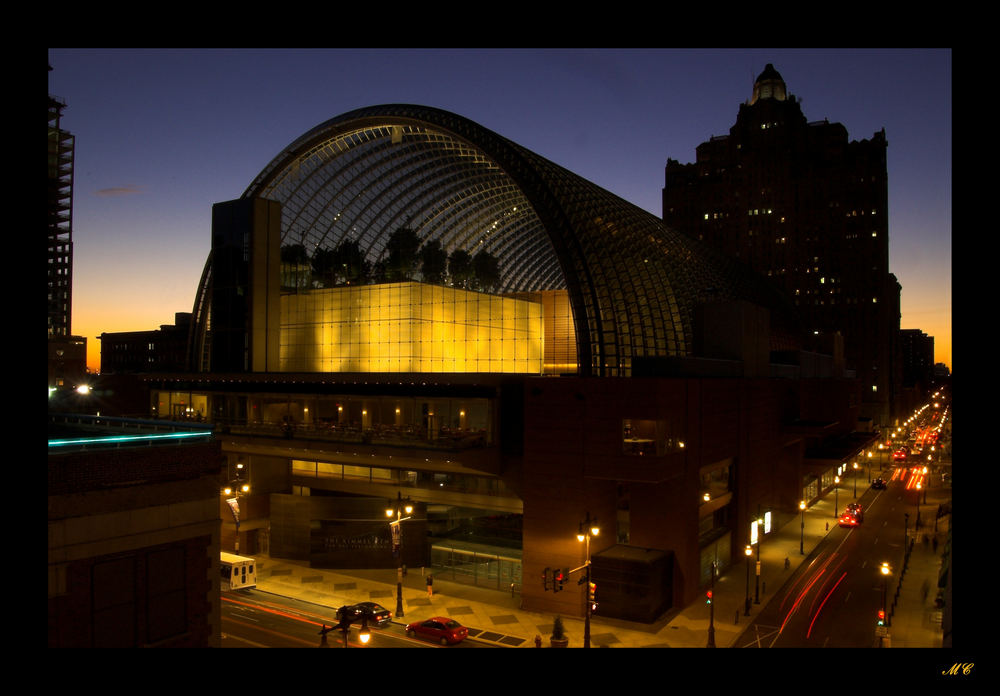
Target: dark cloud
[(119, 191)]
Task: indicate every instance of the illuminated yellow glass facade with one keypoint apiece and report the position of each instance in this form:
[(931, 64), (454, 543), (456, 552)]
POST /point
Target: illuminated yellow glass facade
[(409, 327), (560, 332)]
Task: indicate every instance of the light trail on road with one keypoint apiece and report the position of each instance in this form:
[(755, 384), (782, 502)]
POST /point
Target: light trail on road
[(809, 632)]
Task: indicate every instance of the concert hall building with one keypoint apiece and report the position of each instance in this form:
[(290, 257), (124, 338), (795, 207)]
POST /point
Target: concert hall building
[(594, 363)]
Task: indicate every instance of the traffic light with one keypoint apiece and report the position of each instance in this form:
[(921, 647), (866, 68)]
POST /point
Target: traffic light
[(558, 578), (592, 596), (708, 597), (881, 617), (545, 579)]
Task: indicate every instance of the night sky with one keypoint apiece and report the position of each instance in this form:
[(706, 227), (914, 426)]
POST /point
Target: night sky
[(161, 135)]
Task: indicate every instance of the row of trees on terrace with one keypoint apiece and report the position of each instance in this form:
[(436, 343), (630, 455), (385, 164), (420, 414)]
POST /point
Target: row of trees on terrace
[(406, 257)]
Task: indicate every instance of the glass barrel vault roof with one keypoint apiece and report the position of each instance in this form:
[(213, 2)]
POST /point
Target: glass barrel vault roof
[(632, 282)]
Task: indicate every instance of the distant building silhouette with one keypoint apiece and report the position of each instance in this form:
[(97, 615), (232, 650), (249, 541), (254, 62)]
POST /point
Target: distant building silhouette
[(918, 358), (805, 207), (136, 352)]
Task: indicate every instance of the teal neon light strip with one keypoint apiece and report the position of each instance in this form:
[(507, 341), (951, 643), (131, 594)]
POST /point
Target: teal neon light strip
[(125, 438)]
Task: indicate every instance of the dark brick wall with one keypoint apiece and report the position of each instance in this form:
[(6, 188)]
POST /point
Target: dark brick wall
[(157, 596)]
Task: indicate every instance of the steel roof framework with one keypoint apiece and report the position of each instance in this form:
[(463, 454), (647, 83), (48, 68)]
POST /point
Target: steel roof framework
[(633, 283)]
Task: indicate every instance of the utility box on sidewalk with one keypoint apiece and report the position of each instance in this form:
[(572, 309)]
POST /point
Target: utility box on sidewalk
[(633, 583)]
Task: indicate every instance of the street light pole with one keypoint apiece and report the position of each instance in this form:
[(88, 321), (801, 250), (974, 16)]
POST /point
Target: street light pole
[(588, 528), (748, 551), (396, 532), (711, 610), (802, 528), (885, 578), (836, 494), (237, 488), (855, 480), (760, 542)]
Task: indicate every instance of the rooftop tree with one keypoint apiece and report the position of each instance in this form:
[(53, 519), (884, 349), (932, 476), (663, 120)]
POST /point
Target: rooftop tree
[(401, 255), (433, 262), (460, 268)]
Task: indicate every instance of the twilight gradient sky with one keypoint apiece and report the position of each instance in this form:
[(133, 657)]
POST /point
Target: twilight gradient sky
[(162, 134)]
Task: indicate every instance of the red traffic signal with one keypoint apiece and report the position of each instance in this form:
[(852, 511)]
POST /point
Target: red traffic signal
[(558, 578), (708, 597), (881, 617)]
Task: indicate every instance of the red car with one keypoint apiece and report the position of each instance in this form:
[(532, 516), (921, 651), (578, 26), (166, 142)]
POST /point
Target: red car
[(899, 455), (440, 628), (848, 520)]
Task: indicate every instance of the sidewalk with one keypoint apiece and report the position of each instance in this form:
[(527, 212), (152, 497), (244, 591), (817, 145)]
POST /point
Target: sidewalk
[(495, 616)]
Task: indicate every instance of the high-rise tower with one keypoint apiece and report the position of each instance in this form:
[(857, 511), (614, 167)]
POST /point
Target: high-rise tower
[(805, 207), (60, 214), (67, 353)]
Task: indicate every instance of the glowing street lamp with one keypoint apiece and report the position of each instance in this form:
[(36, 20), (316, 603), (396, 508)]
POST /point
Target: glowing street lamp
[(396, 532), (802, 527), (588, 528), (760, 543), (233, 491), (885, 571), (748, 552)]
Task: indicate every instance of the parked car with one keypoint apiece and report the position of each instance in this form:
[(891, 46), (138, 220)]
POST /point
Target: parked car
[(377, 615), (440, 629)]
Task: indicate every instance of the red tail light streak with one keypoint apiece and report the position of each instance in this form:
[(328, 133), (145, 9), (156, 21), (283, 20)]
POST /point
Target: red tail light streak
[(824, 602)]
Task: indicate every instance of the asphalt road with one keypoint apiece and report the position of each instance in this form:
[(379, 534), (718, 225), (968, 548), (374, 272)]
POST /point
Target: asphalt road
[(252, 619), (832, 599)]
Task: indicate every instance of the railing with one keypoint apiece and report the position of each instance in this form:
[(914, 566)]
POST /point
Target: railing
[(398, 436), (469, 484), (104, 432)]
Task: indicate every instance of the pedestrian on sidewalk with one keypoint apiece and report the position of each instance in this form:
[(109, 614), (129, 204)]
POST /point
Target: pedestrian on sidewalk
[(430, 586), (924, 589), (787, 563), (934, 543)]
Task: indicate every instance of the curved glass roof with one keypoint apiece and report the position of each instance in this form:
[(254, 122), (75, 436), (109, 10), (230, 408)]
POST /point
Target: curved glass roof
[(633, 283)]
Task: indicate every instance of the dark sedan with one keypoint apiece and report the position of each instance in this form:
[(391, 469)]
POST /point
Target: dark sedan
[(377, 615), (878, 484), (440, 629)]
